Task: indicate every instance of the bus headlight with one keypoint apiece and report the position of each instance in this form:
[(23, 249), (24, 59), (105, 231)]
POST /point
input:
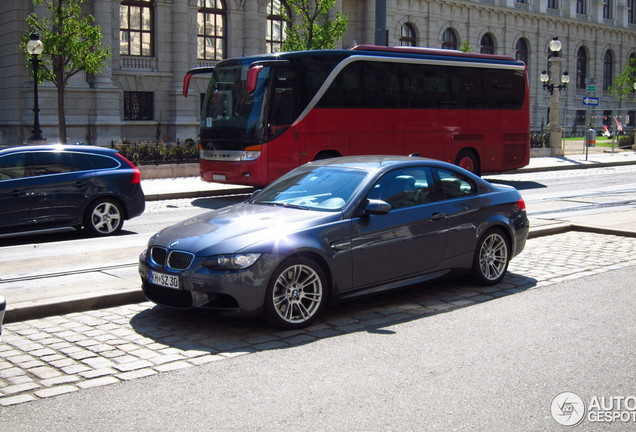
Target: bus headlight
[(250, 155)]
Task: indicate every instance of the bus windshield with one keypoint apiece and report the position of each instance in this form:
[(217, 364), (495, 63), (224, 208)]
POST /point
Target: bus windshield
[(232, 116)]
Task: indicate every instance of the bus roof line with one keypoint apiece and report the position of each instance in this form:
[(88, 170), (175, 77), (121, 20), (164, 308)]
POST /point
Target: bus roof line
[(431, 51), (411, 60)]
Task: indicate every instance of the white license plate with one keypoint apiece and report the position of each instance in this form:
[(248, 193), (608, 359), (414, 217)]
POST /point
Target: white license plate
[(164, 280), (219, 177)]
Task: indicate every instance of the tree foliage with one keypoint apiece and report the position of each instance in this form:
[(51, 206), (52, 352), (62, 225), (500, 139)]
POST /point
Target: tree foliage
[(466, 46), (313, 28), (72, 44), (623, 85)]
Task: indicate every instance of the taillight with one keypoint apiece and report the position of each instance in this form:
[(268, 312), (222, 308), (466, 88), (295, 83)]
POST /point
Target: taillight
[(521, 204), (136, 178)]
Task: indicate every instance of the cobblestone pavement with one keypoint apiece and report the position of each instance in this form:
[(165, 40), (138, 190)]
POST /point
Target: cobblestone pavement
[(61, 354)]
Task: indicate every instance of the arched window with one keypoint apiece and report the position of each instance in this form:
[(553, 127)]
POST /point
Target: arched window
[(211, 37), (581, 68), (407, 35), (276, 26), (608, 69), (136, 28), (521, 51), (487, 44), (449, 40)]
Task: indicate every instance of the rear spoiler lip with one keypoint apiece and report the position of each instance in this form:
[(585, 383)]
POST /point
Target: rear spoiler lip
[(190, 73)]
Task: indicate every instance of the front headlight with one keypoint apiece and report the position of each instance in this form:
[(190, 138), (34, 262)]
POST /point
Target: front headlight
[(250, 155), (230, 262)]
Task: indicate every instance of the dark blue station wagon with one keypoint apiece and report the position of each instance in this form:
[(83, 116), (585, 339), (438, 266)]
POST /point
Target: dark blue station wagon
[(48, 187)]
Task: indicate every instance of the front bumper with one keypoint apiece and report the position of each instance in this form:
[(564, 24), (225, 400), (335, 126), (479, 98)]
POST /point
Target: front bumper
[(239, 292)]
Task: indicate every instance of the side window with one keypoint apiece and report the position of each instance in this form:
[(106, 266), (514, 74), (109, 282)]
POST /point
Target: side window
[(12, 166), (404, 188), (454, 185), (45, 163), (102, 162)]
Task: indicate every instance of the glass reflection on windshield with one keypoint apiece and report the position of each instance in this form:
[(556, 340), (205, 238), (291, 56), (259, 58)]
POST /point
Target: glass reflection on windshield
[(315, 188)]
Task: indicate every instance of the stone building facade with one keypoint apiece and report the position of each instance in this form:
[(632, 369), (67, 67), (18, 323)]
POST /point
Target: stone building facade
[(138, 95)]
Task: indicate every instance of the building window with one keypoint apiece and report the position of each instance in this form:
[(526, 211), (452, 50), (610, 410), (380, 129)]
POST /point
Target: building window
[(139, 106), (487, 44), (581, 68), (581, 7), (407, 35), (449, 40), (579, 120), (136, 28), (522, 1), (607, 9), (553, 4), (276, 26), (631, 14), (211, 30), (631, 118), (521, 51), (608, 69)]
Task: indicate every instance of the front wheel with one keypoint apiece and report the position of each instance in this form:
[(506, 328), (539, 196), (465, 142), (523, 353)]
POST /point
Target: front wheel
[(104, 217), (296, 294), (491, 258)]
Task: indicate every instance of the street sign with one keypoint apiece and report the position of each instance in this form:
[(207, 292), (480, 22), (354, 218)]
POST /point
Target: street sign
[(590, 88), (590, 101)]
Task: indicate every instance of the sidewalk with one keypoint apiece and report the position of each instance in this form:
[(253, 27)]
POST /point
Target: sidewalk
[(120, 284)]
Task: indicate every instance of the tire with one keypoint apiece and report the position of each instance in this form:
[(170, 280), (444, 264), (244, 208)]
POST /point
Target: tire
[(104, 217), (326, 155), (468, 160), (296, 294), (491, 258)]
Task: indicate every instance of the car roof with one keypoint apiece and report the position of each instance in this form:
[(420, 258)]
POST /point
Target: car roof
[(57, 147), (382, 162)]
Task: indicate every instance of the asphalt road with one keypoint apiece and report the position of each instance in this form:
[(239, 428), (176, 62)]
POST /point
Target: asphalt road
[(493, 366)]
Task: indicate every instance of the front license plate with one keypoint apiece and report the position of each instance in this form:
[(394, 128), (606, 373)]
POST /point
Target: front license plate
[(164, 280), (219, 177)]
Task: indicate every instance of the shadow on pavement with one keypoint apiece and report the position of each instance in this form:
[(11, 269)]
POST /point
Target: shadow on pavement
[(204, 332)]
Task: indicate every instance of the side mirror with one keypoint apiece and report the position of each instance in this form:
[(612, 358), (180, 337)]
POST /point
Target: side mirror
[(377, 207)]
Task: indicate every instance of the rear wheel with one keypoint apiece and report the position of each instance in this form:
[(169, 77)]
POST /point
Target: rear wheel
[(296, 294), (104, 217), (468, 160), (491, 258)]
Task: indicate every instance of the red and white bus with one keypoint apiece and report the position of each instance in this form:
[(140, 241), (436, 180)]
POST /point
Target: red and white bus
[(264, 115)]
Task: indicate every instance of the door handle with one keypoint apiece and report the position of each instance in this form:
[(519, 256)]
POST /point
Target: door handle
[(438, 216)]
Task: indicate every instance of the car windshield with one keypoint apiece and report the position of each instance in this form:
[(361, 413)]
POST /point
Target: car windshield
[(313, 187)]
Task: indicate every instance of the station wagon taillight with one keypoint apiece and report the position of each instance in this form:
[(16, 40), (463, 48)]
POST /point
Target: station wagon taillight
[(136, 178), (522, 204)]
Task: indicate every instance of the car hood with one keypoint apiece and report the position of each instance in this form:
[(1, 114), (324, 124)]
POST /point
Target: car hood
[(237, 227)]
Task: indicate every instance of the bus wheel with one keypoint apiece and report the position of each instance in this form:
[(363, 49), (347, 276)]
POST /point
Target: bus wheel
[(468, 160), (326, 155)]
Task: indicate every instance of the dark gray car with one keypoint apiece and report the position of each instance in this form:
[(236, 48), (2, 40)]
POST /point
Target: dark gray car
[(335, 229)]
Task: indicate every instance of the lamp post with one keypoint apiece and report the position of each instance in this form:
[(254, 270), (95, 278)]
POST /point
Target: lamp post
[(35, 47), (551, 81)]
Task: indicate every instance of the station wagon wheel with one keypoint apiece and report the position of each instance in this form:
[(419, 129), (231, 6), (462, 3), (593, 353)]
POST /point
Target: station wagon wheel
[(491, 258), (104, 217), (296, 294)]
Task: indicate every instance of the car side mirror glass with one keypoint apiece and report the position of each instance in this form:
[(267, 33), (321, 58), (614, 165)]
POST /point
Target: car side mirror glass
[(377, 207)]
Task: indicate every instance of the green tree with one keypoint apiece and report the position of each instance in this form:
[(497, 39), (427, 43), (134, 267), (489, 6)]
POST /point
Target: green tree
[(466, 46), (314, 29), (623, 85), (72, 44)]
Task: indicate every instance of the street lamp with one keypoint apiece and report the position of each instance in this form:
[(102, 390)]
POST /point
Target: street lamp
[(550, 82), (35, 47)]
